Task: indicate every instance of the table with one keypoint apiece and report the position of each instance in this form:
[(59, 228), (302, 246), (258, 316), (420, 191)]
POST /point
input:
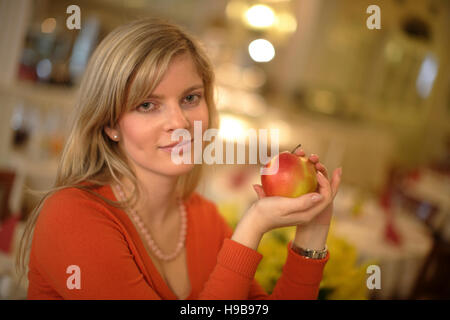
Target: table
[(399, 264)]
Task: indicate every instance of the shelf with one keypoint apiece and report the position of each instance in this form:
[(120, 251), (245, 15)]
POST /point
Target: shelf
[(43, 95)]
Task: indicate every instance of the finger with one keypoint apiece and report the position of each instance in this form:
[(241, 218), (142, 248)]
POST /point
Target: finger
[(324, 185), (336, 181), (322, 169), (300, 153), (286, 205), (259, 191), (289, 205), (314, 158)]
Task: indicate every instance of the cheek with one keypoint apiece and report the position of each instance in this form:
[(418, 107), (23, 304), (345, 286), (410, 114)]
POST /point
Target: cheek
[(201, 114), (135, 133)]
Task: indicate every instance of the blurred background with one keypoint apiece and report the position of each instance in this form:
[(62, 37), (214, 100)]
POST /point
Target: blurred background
[(374, 101)]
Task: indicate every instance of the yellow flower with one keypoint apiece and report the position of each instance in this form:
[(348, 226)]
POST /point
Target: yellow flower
[(230, 211)]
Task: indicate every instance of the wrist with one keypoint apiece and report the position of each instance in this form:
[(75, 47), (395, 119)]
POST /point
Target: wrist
[(311, 237), (253, 218), (246, 233)]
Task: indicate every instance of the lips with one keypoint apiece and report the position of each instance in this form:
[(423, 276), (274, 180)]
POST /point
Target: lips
[(176, 144)]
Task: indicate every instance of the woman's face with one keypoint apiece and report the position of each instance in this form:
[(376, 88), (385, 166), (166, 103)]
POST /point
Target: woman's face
[(145, 131)]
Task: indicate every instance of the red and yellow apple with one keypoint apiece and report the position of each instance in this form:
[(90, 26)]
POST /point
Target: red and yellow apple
[(296, 176)]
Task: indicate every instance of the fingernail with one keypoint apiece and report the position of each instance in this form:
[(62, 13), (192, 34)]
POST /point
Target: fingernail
[(340, 171), (316, 198)]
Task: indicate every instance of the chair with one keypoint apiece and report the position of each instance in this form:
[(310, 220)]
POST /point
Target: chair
[(433, 280), (6, 184), (7, 221)]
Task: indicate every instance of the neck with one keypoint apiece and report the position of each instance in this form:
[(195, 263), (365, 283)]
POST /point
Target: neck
[(157, 196)]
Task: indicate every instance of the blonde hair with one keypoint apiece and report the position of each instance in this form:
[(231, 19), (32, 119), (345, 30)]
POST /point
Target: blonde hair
[(123, 70)]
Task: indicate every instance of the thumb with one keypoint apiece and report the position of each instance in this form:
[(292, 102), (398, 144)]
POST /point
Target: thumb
[(259, 191)]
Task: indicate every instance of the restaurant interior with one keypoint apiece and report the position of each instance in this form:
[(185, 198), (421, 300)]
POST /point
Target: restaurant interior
[(364, 87)]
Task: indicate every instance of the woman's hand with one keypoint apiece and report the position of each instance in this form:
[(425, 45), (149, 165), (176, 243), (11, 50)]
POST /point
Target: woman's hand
[(324, 218), (277, 212)]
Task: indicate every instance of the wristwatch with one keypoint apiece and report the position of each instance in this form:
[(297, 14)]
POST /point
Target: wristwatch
[(310, 253)]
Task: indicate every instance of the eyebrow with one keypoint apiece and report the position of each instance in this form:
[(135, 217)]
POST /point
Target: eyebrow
[(197, 86)]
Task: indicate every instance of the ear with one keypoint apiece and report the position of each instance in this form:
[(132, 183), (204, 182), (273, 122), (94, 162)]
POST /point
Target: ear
[(112, 133)]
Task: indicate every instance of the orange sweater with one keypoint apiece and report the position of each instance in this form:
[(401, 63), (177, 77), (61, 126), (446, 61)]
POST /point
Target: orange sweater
[(77, 228)]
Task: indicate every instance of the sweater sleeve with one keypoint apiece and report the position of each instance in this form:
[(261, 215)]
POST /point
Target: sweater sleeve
[(83, 254), (299, 280), (237, 265)]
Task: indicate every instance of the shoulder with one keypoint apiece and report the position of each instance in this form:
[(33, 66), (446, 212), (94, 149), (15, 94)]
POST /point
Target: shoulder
[(70, 199), (70, 208), (72, 219), (66, 198)]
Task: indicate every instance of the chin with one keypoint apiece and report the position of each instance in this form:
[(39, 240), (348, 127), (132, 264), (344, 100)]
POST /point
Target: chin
[(168, 167), (178, 170)]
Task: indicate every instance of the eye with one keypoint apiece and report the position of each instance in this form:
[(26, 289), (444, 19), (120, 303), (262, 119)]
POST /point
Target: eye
[(192, 98), (146, 107)]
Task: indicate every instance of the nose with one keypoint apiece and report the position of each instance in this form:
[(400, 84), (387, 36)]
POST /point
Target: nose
[(176, 118)]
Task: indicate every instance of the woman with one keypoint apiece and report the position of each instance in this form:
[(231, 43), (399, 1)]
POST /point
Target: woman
[(124, 222)]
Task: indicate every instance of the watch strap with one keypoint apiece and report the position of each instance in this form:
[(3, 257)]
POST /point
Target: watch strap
[(310, 253)]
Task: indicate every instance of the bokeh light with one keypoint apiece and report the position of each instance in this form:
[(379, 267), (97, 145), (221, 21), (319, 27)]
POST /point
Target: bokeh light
[(260, 16), (48, 25), (261, 50)]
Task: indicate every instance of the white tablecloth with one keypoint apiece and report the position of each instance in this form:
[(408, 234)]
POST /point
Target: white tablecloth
[(399, 264)]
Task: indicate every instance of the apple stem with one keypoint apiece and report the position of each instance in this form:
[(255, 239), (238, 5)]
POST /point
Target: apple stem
[(296, 148)]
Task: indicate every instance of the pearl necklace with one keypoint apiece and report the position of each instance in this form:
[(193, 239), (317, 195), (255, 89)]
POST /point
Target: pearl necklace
[(151, 243)]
